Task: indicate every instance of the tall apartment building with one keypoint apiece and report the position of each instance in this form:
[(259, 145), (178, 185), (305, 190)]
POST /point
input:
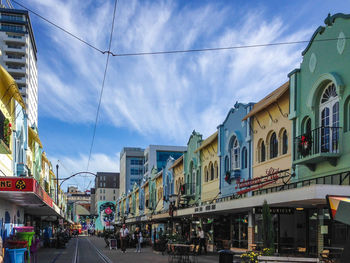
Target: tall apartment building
[(106, 188), (19, 56), (93, 201), (131, 168), (157, 156)]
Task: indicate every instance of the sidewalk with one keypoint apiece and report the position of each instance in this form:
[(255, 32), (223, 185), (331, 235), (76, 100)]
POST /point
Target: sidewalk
[(147, 254), (54, 255)]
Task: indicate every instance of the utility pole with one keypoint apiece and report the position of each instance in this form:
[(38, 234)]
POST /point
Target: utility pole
[(57, 184)]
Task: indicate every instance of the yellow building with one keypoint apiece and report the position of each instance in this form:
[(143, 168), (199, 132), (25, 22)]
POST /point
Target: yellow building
[(147, 202), (159, 190), (178, 173), (210, 168), (8, 94), (271, 134)]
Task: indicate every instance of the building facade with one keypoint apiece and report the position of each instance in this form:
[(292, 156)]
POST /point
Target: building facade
[(192, 169), (131, 168), (156, 156), (320, 115), (19, 57), (209, 164), (235, 148), (106, 188)]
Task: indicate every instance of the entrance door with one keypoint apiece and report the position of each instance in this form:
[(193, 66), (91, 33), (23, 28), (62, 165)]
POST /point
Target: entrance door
[(329, 116)]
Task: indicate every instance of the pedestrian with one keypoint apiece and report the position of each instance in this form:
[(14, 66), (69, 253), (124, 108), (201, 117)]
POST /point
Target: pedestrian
[(124, 232), (105, 237), (154, 236), (138, 239), (201, 236)]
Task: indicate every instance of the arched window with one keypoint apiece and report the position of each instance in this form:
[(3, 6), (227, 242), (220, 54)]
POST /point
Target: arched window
[(211, 171), (273, 146), (329, 116), (284, 142), (216, 170), (347, 114), (206, 175), (262, 152), (235, 153), (227, 164), (244, 158)]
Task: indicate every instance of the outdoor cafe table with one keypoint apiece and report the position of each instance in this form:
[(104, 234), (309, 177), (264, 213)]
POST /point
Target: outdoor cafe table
[(180, 252)]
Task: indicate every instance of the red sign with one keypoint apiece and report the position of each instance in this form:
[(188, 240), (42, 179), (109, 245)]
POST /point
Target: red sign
[(18, 184), (272, 176)]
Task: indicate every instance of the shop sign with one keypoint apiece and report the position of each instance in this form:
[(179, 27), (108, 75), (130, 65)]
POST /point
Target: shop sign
[(272, 176), (205, 208), (277, 210), (25, 185), (16, 184)]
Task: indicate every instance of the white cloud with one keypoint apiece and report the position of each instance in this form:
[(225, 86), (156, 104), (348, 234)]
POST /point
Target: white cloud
[(99, 162), (166, 95)]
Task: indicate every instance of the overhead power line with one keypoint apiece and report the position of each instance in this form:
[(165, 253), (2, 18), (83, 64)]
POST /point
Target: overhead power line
[(103, 84), (172, 51), (219, 48), (59, 27)]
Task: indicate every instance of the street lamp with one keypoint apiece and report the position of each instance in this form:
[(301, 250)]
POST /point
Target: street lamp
[(172, 207)]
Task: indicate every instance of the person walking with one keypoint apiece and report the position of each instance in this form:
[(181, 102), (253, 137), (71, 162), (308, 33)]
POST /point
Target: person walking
[(124, 232), (201, 236), (138, 239)]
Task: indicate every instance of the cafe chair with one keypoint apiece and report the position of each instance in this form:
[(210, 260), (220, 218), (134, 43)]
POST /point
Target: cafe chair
[(325, 256)]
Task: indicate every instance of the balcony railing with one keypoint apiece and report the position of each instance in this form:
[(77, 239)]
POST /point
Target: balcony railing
[(317, 145), (188, 189)]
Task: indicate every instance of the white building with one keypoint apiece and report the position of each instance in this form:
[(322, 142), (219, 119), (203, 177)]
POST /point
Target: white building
[(17, 44)]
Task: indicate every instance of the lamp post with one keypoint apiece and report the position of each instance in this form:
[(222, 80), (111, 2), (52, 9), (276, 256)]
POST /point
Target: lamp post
[(172, 200), (57, 184)]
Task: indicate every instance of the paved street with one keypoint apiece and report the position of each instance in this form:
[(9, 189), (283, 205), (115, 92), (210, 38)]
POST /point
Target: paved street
[(92, 249)]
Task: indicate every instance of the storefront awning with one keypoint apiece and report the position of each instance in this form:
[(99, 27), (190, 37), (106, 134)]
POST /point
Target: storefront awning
[(306, 197), (27, 193), (340, 208), (10, 86)]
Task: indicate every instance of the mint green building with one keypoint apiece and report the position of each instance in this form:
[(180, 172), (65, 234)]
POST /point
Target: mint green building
[(320, 115), (192, 170)]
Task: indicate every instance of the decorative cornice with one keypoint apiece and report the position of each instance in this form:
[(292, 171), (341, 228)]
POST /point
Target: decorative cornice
[(329, 21)]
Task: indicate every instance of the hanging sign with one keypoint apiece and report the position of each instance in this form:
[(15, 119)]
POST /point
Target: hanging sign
[(272, 176)]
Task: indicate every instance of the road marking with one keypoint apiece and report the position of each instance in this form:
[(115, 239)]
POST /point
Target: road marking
[(76, 258), (100, 254)]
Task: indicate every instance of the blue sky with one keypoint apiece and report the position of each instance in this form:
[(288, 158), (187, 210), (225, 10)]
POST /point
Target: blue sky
[(158, 99)]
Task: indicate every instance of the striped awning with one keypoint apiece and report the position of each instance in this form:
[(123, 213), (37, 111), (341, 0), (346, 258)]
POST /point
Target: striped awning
[(339, 207)]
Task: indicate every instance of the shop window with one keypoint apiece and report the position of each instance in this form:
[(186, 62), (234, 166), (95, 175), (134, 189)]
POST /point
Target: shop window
[(244, 158), (284, 142), (273, 146)]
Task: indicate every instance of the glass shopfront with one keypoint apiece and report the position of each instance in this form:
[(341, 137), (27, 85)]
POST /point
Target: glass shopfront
[(239, 228), (304, 231)]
